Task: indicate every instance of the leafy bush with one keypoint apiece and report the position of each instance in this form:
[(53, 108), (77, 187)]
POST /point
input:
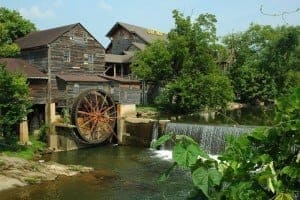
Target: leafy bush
[(262, 165), (14, 101), (194, 92)]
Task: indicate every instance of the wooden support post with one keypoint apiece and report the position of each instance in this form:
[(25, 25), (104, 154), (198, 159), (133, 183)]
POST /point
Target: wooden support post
[(24, 136), (115, 70), (50, 113), (123, 111)]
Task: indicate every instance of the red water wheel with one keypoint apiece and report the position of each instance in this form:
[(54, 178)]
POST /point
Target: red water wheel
[(94, 115)]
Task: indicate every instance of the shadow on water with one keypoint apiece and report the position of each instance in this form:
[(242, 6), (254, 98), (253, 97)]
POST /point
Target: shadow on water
[(121, 173)]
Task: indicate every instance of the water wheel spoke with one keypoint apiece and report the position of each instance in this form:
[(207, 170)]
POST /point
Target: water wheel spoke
[(96, 102), (113, 113), (85, 123), (103, 101), (89, 103), (107, 109), (83, 105), (85, 113), (95, 124)]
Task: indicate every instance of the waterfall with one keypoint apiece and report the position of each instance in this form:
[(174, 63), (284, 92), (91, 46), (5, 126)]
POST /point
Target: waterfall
[(210, 137), (154, 132)]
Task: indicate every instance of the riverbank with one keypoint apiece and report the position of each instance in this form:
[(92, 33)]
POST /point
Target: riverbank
[(16, 172)]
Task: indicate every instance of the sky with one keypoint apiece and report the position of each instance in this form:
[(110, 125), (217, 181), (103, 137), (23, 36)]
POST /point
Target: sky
[(98, 16)]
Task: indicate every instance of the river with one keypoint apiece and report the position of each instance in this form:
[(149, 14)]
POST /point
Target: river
[(120, 173)]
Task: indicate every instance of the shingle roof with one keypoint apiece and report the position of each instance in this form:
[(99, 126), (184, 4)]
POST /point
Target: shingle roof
[(23, 67), (81, 78), (145, 34), (42, 38), (113, 58)]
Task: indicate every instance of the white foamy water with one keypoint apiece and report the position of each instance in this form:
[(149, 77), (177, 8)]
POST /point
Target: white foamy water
[(163, 154)]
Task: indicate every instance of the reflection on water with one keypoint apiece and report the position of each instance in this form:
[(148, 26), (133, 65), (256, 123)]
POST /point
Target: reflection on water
[(258, 116), (121, 173)]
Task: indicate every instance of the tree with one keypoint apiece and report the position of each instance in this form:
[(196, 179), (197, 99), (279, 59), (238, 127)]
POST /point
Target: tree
[(186, 64), (14, 101), (154, 63), (12, 26), (191, 44), (266, 62)]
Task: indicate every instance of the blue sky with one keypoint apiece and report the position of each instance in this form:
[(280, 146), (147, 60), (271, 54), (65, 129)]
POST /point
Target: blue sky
[(98, 16)]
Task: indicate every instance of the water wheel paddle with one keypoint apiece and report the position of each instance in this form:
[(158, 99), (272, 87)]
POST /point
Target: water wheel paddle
[(94, 115)]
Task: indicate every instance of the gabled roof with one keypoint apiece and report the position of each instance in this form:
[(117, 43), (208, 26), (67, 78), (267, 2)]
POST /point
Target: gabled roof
[(21, 66), (45, 37), (42, 38), (145, 34), (81, 78), (113, 58)]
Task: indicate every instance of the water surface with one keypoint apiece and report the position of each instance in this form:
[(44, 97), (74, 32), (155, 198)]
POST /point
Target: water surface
[(121, 173)]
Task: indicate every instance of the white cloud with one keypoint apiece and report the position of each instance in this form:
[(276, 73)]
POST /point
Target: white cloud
[(104, 5), (36, 12)]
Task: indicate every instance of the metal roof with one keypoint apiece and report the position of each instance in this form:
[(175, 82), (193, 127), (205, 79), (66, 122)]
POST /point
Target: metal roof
[(21, 66), (45, 37), (81, 78), (42, 38), (148, 35)]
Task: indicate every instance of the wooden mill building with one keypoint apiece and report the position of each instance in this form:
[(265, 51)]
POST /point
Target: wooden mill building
[(74, 61), (125, 39)]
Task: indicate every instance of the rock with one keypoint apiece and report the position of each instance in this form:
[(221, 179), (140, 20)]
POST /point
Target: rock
[(19, 172), (8, 182)]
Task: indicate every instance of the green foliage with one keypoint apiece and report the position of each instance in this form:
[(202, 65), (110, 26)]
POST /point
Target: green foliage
[(14, 101), (261, 165), (27, 152), (43, 130), (266, 62), (186, 65), (191, 44), (66, 118), (191, 93), (154, 63), (12, 26)]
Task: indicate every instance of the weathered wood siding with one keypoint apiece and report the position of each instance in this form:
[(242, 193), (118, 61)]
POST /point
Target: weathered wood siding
[(71, 90), (79, 43), (122, 40), (38, 90), (36, 57), (130, 93)]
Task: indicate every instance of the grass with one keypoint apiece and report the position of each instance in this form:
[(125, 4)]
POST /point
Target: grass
[(27, 152)]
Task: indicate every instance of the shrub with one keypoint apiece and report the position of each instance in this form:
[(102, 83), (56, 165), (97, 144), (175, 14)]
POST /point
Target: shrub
[(14, 102), (196, 92)]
